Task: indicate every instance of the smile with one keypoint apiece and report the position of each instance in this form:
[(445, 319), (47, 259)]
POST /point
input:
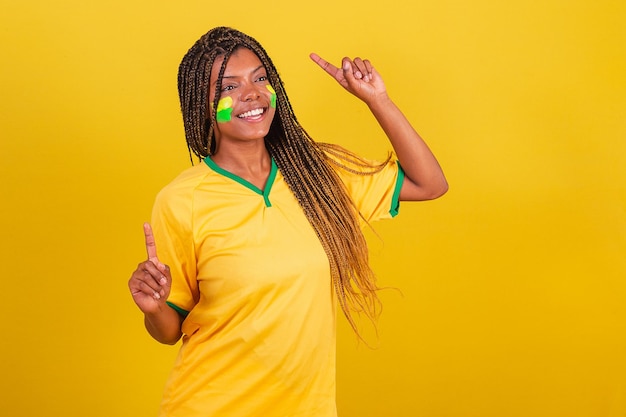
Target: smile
[(251, 113)]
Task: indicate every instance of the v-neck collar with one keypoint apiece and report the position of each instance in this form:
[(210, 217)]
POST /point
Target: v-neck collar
[(268, 184)]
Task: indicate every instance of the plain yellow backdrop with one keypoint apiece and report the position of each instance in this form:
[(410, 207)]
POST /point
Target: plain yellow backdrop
[(511, 300)]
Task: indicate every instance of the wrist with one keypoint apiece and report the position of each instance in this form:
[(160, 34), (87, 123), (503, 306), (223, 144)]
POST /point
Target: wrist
[(164, 325), (380, 102)]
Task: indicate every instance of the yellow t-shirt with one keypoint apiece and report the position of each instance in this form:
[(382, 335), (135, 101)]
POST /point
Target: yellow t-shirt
[(254, 283)]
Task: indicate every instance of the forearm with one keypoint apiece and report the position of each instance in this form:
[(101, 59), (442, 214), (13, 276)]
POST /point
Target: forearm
[(425, 177), (164, 325)]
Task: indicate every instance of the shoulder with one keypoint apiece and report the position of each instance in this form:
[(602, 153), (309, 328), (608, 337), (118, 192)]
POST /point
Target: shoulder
[(185, 183), (176, 196)]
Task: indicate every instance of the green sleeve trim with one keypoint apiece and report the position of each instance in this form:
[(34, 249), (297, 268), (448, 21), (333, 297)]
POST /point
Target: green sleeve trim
[(180, 311), (395, 200)]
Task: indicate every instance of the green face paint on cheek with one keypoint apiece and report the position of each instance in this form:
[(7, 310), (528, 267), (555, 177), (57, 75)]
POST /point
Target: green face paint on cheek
[(273, 99), (224, 110)]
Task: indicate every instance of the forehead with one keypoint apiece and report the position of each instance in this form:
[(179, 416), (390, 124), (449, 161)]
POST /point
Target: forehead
[(240, 62)]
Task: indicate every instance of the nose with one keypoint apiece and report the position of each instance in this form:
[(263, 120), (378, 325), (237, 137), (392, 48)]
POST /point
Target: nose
[(250, 93)]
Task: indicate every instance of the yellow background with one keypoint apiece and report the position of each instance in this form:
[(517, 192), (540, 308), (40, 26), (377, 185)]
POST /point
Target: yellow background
[(512, 285)]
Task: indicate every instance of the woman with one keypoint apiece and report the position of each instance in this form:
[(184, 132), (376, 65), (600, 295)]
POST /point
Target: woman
[(259, 242)]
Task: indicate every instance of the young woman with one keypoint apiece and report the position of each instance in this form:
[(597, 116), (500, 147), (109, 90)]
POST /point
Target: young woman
[(259, 242)]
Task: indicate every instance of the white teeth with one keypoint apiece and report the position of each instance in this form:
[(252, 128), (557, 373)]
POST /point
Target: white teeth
[(251, 113)]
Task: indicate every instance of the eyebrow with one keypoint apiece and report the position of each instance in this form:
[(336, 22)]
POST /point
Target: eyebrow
[(252, 72)]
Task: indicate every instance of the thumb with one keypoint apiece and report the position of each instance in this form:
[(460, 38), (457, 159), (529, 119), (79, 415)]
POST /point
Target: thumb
[(350, 72)]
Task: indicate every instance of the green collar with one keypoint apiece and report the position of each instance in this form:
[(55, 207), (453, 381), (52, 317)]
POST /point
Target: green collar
[(268, 185)]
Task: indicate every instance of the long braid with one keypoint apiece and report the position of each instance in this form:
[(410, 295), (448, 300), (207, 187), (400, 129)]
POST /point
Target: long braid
[(304, 164)]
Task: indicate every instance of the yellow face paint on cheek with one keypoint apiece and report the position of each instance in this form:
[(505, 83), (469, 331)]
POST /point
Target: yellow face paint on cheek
[(273, 99), (224, 110)]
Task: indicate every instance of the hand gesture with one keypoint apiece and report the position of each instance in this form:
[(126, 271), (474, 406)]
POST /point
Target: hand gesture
[(150, 283), (356, 75)]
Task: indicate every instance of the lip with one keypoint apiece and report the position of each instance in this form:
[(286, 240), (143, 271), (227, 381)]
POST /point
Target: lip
[(257, 113)]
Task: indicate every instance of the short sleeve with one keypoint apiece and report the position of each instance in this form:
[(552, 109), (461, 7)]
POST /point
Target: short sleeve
[(171, 224), (377, 195)]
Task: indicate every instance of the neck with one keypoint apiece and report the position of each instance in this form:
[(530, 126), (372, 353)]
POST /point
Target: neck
[(248, 160)]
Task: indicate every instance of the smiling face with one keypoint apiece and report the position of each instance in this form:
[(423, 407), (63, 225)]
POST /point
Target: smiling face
[(247, 101)]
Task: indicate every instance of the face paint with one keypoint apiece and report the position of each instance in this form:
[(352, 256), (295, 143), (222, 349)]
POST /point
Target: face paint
[(224, 110), (271, 90)]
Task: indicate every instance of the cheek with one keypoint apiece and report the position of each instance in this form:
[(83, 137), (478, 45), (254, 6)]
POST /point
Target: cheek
[(273, 96), (272, 116), (224, 110)]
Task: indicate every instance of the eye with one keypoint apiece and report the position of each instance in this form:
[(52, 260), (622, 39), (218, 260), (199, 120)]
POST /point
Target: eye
[(228, 87), (262, 78)]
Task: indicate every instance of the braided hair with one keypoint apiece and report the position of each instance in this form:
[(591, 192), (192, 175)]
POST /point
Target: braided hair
[(304, 164)]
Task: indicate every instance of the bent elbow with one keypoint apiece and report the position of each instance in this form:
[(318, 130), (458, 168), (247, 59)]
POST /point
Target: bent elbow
[(430, 191), (435, 191), (443, 188), (169, 339)]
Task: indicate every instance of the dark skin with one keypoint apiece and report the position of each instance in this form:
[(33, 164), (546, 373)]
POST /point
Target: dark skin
[(240, 149), (424, 178), (150, 286), (239, 143)]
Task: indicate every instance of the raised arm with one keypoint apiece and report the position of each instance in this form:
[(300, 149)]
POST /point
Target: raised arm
[(424, 179), (150, 286)]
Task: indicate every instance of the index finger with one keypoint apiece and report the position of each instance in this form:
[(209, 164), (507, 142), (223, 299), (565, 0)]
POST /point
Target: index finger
[(150, 244), (326, 66)]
